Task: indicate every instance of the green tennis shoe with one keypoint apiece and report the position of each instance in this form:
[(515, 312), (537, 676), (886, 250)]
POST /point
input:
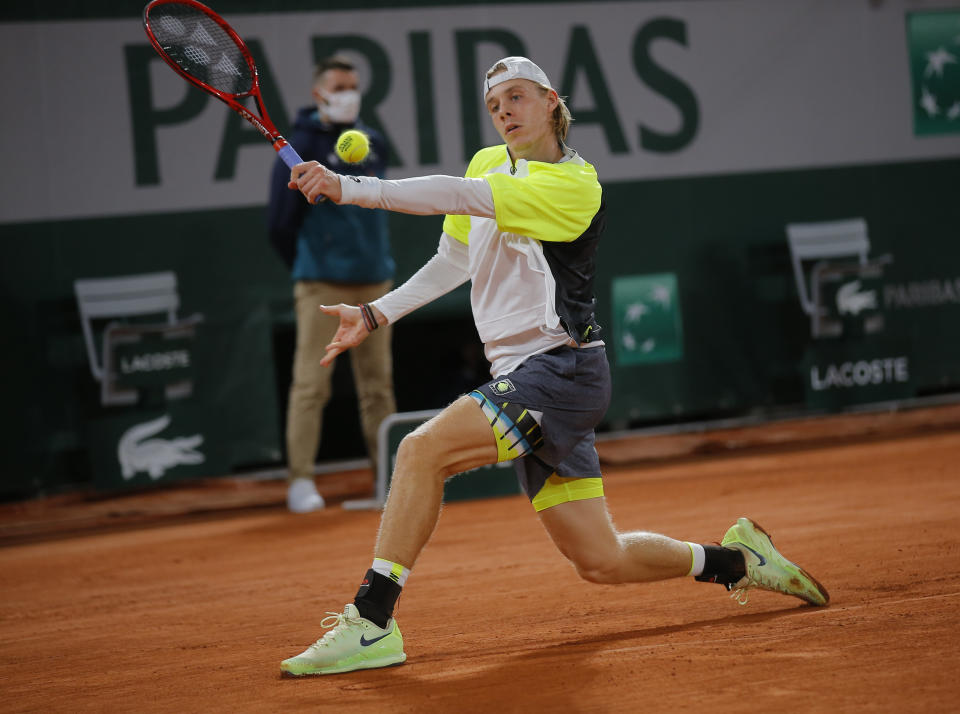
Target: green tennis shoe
[(767, 569), (351, 642)]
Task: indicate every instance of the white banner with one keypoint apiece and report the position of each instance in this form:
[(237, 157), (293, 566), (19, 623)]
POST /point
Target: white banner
[(662, 89)]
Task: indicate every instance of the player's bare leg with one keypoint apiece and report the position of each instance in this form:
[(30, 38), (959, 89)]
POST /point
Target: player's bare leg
[(365, 634), (457, 439), (745, 559), (585, 534)]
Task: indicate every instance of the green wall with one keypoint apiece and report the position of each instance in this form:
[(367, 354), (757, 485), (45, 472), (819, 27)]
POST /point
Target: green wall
[(744, 331), (744, 334)]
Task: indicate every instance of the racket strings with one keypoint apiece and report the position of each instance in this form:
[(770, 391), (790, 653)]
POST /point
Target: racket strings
[(201, 47)]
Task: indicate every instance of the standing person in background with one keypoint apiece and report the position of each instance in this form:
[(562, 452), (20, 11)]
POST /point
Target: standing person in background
[(336, 254)]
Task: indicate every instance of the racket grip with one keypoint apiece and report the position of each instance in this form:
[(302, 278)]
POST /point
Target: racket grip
[(291, 158), (289, 155)]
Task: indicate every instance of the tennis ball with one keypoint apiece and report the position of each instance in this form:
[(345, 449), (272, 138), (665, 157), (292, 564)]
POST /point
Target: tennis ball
[(353, 146)]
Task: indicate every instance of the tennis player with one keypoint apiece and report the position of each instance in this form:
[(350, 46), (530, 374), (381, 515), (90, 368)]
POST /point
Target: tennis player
[(523, 226)]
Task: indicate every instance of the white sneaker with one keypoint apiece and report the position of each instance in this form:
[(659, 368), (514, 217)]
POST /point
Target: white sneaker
[(302, 496), (351, 642)]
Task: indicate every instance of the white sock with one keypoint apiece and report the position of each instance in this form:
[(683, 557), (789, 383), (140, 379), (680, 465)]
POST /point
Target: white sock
[(396, 572), (699, 558)]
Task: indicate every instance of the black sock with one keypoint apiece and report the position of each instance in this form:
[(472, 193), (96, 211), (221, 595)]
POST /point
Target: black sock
[(722, 565), (376, 598)]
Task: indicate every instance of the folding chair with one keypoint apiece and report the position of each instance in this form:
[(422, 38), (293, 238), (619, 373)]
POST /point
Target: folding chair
[(116, 301)]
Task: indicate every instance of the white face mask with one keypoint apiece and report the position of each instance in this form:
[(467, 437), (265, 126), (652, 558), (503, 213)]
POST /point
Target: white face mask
[(341, 107)]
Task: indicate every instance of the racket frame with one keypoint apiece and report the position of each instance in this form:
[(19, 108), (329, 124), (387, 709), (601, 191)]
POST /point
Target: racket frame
[(262, 123)]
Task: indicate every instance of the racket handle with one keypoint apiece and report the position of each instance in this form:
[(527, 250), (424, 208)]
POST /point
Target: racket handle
[(291, 158), (289, 155)]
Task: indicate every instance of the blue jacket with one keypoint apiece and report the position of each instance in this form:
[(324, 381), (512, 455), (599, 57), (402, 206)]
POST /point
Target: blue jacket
[(342, 244)]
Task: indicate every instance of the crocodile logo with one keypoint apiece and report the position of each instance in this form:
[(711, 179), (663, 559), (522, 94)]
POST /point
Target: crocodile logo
[(137, 451), (851, 299)]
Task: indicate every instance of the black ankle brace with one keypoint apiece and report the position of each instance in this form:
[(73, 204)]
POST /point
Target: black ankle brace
[(722, 565), (377, 597)]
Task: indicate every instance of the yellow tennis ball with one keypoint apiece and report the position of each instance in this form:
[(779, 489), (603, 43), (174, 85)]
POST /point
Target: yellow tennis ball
[(353, 146)]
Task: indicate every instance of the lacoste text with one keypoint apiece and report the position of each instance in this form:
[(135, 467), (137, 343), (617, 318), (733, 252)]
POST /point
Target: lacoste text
[(155, 362), (860, 374)]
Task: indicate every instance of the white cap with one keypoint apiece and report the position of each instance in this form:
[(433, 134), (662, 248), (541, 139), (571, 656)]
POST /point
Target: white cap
[(517, 68)]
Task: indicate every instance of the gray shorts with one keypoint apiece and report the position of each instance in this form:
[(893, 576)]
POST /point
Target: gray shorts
[(543, 414)]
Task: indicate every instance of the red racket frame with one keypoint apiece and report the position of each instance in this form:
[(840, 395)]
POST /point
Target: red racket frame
[(263, 123)]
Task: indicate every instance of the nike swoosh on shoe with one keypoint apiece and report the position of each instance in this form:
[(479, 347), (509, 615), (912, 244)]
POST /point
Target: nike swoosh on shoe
[(364, 642)]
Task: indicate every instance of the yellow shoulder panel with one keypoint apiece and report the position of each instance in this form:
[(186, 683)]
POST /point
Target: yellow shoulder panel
[(553, 202), (482, 162)]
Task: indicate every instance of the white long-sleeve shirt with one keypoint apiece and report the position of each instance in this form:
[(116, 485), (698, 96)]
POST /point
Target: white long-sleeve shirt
[(525, 234)]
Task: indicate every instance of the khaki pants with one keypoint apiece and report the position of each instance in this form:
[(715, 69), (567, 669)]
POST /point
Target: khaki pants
[(371, 361)]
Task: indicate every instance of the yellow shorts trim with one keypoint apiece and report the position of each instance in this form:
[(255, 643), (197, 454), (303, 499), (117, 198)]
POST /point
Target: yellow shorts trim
[(559, 490)]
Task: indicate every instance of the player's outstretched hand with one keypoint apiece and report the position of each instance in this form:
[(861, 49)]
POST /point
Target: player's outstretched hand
[(315, 181), (352, 330)]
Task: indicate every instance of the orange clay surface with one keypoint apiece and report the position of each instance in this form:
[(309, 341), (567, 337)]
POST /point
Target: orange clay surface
[(189, 614)]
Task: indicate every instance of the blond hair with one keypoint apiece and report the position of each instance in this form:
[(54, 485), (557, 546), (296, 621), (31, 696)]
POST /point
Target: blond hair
[(561, 118)]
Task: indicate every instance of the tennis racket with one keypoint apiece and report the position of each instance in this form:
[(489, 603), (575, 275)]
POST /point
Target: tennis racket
[(204, 50)]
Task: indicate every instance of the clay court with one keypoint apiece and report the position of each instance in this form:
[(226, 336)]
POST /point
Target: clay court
[(188, 599)]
